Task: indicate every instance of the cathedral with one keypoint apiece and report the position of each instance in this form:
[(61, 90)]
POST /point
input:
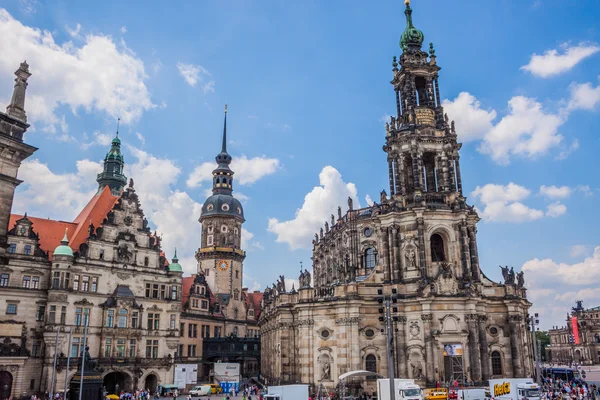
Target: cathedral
[(100, 281), (417, 249)]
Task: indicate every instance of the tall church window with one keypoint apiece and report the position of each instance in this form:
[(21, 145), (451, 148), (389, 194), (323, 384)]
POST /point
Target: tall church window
[(371, 363), (370, 259), (496, 363), (437, 248)]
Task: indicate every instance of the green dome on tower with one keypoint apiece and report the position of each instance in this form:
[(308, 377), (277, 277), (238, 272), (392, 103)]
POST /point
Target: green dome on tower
[(175, 266), (411, 38), (64, 249)]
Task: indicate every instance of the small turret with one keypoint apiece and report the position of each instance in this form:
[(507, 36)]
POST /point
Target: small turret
[(63, 250), (16, 108), (112, 175), (175, 266)]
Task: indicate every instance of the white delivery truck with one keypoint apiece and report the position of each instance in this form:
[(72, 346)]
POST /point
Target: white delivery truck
[(472, 394), (287, 392), (514, 389), (405, 389)]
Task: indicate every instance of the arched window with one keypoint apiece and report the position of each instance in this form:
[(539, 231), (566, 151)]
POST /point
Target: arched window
[(437, 248), (236, 294), (496, 363), (370, 259), (371, 363)]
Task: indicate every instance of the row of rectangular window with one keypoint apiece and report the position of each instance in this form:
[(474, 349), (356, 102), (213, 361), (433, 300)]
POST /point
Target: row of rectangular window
[(156, 291), (196, 302), (81, 283), (191, 350), (120, 350), (12, 249), (193, 330)]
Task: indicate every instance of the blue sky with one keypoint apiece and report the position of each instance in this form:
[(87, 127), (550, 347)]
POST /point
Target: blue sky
[(307, 84)]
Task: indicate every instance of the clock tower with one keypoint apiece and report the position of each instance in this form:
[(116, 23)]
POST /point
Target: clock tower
[(220, 256)]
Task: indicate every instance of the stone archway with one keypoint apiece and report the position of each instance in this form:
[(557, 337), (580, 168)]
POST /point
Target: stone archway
[(6, 381), (151, 382), (115, 381)]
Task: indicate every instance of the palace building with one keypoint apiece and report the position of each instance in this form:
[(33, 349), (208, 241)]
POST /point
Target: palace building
[(416, 246), (104, 270)]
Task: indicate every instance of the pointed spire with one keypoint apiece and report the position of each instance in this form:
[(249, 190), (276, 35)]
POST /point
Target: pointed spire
[(118, 123), (411, 38), (65, 239), (175, 259), (16, 108), (224, 146)]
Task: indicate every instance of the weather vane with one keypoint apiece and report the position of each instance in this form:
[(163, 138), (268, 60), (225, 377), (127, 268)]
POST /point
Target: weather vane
[(118, 121), (225, 108)]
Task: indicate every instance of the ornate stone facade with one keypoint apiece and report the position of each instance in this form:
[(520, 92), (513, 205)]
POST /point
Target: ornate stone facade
[(420, 244), (108, 271), (562, 348)]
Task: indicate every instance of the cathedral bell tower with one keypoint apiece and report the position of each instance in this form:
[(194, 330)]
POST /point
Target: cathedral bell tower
[(13, 151), (220, 256), (423, 160)]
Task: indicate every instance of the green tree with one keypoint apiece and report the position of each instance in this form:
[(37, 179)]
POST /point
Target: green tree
[(544, 340)]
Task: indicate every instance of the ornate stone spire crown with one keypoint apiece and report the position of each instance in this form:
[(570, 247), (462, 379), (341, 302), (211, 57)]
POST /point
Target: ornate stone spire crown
[(411, 38), (16, 108)]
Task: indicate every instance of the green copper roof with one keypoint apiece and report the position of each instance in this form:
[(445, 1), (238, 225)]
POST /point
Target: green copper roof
[(411, 38), (64, 249), (175, 266)]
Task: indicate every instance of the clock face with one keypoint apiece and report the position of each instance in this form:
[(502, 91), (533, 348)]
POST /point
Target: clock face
[(223, 265)]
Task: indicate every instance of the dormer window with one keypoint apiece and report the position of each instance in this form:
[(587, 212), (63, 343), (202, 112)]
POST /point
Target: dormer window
[(12, 248), (210, 229), (27, 250)]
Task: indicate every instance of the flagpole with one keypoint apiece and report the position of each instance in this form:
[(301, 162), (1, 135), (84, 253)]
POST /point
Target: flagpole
[(55, 357), (68, 362), (83, 356)]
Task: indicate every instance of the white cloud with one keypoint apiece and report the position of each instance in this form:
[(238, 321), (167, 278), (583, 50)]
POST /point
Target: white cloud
[(552, 63), (555, 192), (53, 195), (247, 170), (567, 150), (123, 29), (578, 250), (193, 74), (71, 75), (141, 138), (585, 189), (472, 122), (99, 139), (318, 205), (556, 209), (503, 203), (73, 32), (554, 286), (584, 96), (526, 131), (369, 200), (248, 243), (28, 6)]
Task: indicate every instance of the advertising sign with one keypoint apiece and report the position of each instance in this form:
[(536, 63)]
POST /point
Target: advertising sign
[(575, 330), (227, 372), (185, 374), (453, 350)]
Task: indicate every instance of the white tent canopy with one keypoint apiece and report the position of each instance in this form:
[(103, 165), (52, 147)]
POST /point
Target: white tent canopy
[(360, 372)]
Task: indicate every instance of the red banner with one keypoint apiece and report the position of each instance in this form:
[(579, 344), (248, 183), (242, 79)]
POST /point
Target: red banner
[(575, 330)]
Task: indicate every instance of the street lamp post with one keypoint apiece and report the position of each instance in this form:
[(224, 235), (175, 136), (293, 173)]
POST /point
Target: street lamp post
[(386, 316), (535, 321)]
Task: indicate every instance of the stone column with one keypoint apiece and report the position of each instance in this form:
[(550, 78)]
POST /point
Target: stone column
[(390, 242), (398, 103), (452, 185), (515, 345), (391, 174), (400, 161), (437, 92), (445, 174), (396, 243), (401, 348), (483, 349), (430, 94), (427, 334), (383, 239), (421, 236), (458, 178), (464, 250), (416, 173), (421, 172), (398, 176), (474, 255), (474, 349)]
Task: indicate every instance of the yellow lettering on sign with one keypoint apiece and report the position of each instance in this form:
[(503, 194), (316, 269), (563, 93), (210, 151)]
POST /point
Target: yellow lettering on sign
[(501, 389)]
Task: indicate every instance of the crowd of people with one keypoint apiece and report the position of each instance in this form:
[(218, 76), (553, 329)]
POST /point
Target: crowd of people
[(558, 389)]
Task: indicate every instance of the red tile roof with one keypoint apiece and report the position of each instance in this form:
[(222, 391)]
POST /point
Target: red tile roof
[(255, 299), (51, 231), (186, 285)]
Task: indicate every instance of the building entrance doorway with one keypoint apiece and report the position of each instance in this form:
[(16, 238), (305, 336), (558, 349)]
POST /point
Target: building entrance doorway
[(454, 370), (6, 380), (116, 381), (151, 382)]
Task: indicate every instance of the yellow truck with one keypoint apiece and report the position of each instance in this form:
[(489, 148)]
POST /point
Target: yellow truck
[(435, 394)]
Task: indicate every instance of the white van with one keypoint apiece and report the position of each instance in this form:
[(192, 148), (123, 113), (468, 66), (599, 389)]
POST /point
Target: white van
[(202, 390)]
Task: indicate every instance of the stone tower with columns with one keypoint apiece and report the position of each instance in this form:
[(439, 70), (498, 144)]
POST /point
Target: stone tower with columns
[(13, 150)]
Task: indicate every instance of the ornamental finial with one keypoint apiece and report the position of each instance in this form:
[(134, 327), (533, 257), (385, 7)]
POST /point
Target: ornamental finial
[(407, 3), (225, 108)]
